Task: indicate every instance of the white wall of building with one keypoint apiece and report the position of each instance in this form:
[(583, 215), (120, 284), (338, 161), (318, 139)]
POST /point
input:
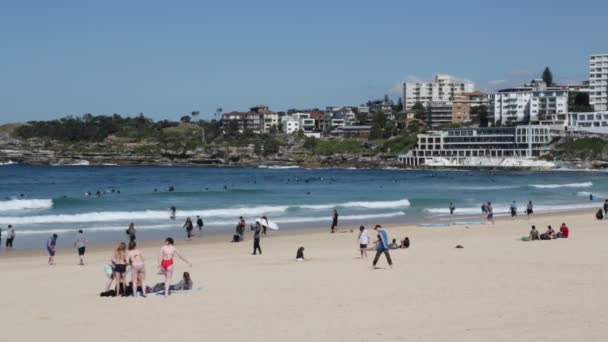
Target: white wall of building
[(598, 82), (442, 89)]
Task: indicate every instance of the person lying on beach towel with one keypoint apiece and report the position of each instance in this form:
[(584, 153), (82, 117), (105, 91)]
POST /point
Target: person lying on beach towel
[(185, 284)]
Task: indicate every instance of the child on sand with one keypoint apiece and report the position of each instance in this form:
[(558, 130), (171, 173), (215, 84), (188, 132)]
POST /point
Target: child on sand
[(363, 241), (50, 248)]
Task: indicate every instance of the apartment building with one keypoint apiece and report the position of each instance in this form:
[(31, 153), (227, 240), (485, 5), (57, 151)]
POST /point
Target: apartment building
[(258, 119), (464, 103), (598, 82), (439, 113), (443, 88)]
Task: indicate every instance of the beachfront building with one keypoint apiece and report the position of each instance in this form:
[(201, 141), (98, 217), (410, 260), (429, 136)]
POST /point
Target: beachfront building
[(464, 103), (443, 88), (598, 82), (456, 145), (510, 105), (439, 113), (587, 122), (358, 130)]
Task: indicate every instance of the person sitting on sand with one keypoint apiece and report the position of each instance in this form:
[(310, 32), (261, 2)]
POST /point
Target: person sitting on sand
[(564, 231), (167, 252), (300, 254), (405, 243), (548, 235), (534, 234), (184, 284), (393, 244), (599, 215)]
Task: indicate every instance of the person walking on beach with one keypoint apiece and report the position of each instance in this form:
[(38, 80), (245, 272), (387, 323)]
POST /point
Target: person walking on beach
[(529, 209), (131, 232), (382, 246), (138, 268), (257, 230), (50, 248), (452, 208), (484, 209), (189, 226), (0, 236), (513, 209), (10, 236), (490, 211), (363, 241), (605, 209), (199, 224), (81, 243), (334, 221), (167, 253)]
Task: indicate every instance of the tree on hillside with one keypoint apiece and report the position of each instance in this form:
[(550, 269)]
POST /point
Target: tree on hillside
[(419, 110), (548, 76), (185, 119), (399, 105)]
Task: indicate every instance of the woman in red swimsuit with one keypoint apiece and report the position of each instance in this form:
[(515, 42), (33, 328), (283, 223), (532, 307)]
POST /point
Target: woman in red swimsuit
[(167, 252)]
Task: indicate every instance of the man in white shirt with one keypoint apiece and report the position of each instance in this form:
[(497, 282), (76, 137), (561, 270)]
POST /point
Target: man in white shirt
[(363, 241)]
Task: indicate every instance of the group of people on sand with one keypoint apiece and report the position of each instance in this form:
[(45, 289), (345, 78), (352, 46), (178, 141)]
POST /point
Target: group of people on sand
[(129, 259), (602, 215), (189, 226), (381, 245), (549, 234)]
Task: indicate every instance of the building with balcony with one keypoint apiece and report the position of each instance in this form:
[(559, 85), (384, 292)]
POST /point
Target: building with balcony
[(439, 113), (443, 88), (598, 82), (455, 145)]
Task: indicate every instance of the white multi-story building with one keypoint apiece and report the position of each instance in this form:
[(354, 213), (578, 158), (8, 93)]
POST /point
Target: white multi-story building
[(456, 145), (529, 104), (340, 116), (590, 122), (298, 121), (510, 105), (441, 89), (271, 120), (598, 82)]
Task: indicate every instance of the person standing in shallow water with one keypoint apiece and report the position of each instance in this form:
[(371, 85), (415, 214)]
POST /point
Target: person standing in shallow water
[(529, 209), (199, 224), (131, 232), (189, 227), (10, 236), (452, 208)]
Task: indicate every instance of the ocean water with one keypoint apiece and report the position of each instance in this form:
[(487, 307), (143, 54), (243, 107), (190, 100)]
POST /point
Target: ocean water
[(41, 200)]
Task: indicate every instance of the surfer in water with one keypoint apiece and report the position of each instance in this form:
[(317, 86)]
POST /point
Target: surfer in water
[(167, 253), (172, 210)]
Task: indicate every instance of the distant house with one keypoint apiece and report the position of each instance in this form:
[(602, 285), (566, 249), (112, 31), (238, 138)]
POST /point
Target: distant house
[(361, 130), (258, 119)]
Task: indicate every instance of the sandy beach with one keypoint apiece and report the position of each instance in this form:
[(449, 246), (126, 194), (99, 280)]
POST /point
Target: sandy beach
[(497, 288)]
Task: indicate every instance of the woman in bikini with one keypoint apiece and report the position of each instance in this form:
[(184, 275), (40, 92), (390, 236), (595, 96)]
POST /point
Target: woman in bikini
[(138, 268), (119, 260), (167, 252)]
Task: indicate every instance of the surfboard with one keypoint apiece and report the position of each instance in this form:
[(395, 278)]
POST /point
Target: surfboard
[(268, 224)]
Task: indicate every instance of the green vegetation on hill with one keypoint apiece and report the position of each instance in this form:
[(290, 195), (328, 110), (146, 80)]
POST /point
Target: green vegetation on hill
[(584, 149)]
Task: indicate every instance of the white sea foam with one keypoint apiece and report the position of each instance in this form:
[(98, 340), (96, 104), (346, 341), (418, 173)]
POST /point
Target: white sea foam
[(506, 209), (21, 204), (568, 185), (370, 205), (10, 162), (278, 167), (108, 216), (489, 187)]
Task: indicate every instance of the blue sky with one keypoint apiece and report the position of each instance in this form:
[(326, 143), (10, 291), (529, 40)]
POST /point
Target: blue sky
[(168, 58)]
